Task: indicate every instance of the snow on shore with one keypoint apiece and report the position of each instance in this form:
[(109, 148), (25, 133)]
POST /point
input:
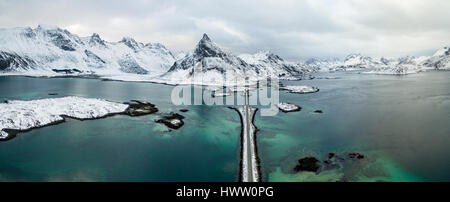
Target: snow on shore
[(24, 115), (300, 89)]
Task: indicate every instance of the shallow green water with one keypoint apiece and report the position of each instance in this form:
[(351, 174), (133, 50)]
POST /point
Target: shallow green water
[(400, 124), (120, 148)]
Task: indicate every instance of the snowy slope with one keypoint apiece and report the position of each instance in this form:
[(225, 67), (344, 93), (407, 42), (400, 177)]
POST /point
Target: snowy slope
[(209, 64), (440, 60), (271, 65), (50, 51), (400, 66)]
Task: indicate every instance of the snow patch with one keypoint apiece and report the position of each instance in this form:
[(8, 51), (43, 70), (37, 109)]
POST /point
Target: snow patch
[(300, 89), (288, 107), (24, 115)]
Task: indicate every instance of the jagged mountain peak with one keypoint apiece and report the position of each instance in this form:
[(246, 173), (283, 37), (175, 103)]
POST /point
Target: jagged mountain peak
[(207, 48), (214, 62), (205, 38), (385, 61), (128, 39), (130, 42), (273, 56), (52, 50), (443, 51), (353, 56), (264, 56), (95, 35), (155, 45), (96, 39)]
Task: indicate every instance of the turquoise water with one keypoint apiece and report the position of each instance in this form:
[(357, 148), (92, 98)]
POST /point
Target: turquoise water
[(400, 124), (120, 148)]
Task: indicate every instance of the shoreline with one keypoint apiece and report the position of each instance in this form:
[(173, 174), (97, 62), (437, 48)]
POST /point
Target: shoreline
[(106, 79), (12, 133)]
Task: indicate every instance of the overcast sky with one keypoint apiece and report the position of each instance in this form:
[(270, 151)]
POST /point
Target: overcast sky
[(294, 29)]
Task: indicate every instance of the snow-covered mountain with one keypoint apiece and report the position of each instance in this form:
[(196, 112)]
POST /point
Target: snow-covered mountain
[(400, 66), (352, 62), (272, 65), (440, 60), (317, 64), (209, 64), (49, 51), (358, 61), (52, 51)]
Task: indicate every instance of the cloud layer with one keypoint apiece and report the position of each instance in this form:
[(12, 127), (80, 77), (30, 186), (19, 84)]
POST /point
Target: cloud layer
[(291, 28)]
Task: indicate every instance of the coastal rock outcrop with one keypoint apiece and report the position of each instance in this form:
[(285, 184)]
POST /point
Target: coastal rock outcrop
[(173, 120), (310, 164), (330, 162), (140, 108)]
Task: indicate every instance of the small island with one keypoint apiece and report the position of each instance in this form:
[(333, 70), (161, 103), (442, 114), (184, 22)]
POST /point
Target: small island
[(173, 121), (288, 107), (140, 108), (20, 116), (300, 89)]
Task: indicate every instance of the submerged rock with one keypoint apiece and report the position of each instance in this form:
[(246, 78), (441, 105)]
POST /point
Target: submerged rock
[(140, 108), (355, 156), (310, 164), (184, 110), (173, 121), (330, 162), (331, 155)]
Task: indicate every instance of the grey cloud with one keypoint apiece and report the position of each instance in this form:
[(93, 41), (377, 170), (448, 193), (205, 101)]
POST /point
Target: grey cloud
[(290, 28)]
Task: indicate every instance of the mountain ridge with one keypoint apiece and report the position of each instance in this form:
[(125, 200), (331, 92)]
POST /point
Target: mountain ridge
[(55, 48), (52, 51)]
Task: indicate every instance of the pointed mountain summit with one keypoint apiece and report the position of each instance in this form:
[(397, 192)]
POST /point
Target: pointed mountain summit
[(207, 48), (205, 38), (96, 40), (211, 56), (212, 65), (131, 43)]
